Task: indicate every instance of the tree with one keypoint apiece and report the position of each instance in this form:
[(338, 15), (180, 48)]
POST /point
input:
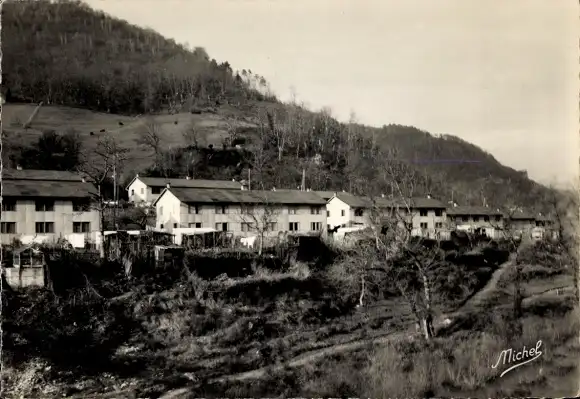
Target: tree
[(108, 157), (260, 217)]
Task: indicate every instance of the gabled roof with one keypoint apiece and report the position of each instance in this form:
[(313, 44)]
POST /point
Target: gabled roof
[(190, 183), (43, 175), (523, 216), (381, 202), (474, 211), (51, 189), (325, 194), (217, 196)]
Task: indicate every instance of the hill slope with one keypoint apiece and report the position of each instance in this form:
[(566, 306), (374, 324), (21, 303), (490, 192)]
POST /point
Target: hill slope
[(89, 69)]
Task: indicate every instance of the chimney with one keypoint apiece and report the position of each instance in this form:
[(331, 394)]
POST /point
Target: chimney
[(18, 167), (83, 179), (137, 175), (382, 195), (187, 178), (343, 191), (429, 196), (455, 204), (335, 193), (168, 185), (273, 188)]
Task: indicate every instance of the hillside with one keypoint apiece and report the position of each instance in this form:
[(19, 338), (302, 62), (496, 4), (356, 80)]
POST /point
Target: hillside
[(98, 76)]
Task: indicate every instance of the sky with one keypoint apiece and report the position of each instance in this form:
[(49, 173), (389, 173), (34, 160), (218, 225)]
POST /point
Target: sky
[(503, 75)]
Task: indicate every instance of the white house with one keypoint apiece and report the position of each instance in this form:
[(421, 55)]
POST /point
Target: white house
[(241, 212), (45, 205), (145, 190), (426, 215), (488, 220)]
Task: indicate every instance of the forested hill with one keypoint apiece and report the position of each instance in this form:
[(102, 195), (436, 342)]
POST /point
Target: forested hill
[(65, 54)]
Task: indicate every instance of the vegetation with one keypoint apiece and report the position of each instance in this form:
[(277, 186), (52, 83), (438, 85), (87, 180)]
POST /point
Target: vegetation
[(64, 53)]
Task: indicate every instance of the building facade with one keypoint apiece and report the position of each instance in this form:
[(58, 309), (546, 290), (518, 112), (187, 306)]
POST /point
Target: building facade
[(145, 190), (243, 213), (44, 206), (477, 219)]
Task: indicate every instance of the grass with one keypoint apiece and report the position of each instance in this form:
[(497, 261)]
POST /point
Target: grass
[(62, 119)]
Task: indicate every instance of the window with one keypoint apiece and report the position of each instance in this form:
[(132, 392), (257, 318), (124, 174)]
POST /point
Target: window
[(132, 193), (8, 227), (156, 190), (142, 190), (342, 212), (423, 225), (423, 212), (44, 206), (193, 209), (8, 205), (247, 227), (315, 210), (292, 211), (486, 218), (247, 209), (497, 218), (327, 214), (221, 226), (315, 226), (438, 212), (221, 210), (81, 227), (174, 225), (438, 225), (271, 226), (293, 226), (195, 225), (358, 212), (465, 218), (44, 227), (161, 210), (476, 218), (80, 205)]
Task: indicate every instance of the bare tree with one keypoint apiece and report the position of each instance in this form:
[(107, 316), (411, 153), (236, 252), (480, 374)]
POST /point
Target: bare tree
[(98, 167), (150, 137), (260, 217)]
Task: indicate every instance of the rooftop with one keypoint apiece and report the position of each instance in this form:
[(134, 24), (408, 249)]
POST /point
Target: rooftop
[(365, 202), (50, 189), (191, 183), (474, 210), (208, 195), (45, 175)]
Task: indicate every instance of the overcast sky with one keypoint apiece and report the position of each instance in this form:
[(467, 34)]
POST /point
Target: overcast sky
[(501, 74)]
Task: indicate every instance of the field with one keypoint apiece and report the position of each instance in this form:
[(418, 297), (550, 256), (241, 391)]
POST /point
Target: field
[(62, 119)]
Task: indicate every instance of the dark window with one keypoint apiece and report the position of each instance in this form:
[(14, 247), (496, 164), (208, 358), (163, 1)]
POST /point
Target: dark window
[(132, 192), (342, 212), (293, 226), (486, 218), (161, 226), (423, 212), (315, 210), (156, 190), (221, 226), (221, 210), (8, 227), (44, 206), (476, 218), (315, 226), (438, 212), (80, 205), (174, 225), (497, 218), (44, 227), (438, 225), (358, 212), (8, 205), (327, 214), (423, 225), (194, 209), (465, 218), (195, 225), (81, 227)]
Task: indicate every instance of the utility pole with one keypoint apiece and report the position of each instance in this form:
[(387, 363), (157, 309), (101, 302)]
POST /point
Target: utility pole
[(115, 192), (303, 185)]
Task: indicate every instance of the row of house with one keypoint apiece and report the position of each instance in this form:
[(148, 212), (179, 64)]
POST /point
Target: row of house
[(40, 204)]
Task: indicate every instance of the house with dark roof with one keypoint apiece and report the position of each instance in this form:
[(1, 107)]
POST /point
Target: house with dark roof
[(427, 216), (45, 205), (483, 219), (241, 212), (145, 190)]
